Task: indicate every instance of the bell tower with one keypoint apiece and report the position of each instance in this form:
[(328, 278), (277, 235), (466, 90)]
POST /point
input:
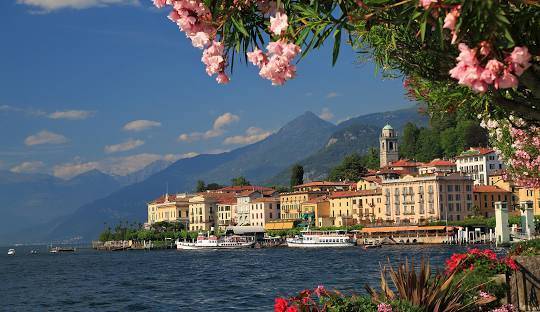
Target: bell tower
[(388, 146)]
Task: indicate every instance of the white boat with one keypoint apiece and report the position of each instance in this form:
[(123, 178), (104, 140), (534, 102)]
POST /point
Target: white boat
[(319, 239), (11, 252), (212, 242)]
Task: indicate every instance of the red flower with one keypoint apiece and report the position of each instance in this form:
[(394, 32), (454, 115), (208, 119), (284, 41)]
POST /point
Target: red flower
[(292, 309), (280, 305), (511, 263)]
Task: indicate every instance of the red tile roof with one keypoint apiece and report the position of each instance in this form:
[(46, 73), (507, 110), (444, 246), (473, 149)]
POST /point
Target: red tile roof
[(238, 189), (322, 183), (317, 200), (404, 163), (171, 198), (439, 163), (373, 179), (488, 189), (347, 194)]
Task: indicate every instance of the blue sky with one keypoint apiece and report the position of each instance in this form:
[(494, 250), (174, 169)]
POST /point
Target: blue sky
[(74, 73)]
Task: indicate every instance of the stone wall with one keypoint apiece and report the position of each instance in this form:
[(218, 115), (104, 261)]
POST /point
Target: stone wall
[(525, 284)]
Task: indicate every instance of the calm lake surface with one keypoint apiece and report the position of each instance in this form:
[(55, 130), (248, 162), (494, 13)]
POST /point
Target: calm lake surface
[(171, 280)]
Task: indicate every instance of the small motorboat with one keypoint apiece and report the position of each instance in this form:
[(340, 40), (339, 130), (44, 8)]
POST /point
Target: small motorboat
[(56, 250), (11, 252), (369, 245), (33, 251)]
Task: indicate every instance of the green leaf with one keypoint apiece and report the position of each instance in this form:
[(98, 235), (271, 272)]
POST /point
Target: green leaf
[(239, 26), (337, 44)]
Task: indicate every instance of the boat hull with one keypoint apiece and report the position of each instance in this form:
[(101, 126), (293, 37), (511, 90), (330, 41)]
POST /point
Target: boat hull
[(319, 245)]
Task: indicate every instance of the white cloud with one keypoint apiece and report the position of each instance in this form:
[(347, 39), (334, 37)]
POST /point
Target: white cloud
[(217, 129), (71, 114), (45, 137), (51, 5), (27, 111), (28, 167), (124, 146), (326, 114), (252, 135), (115, 165), (332, 94), (140, 125)]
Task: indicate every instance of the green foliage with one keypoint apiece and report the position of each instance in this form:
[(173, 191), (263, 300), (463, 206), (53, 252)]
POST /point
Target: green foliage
[(351, 169), (432, 292), (408, 148), (297, 175), (371, 159), (482, 279), (201, 187), (478, 221), (527, 248), (213, 186), (350, 304), (239, 181)]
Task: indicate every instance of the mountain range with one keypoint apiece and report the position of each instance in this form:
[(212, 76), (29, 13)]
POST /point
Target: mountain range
[(308, 140)]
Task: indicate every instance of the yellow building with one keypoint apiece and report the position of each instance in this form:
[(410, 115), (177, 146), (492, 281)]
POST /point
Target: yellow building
[(498, 178), (317, 211), (264, 209), (485, 197), (203, 210), (355, 207), (369, 183), (417, 199), (531, 194), (291, 202), (169, 208), (226, 208)]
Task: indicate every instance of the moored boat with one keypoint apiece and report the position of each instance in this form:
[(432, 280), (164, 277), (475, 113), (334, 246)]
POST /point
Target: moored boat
[(213, 242), (61, 249), (11, 252), (319, 239)]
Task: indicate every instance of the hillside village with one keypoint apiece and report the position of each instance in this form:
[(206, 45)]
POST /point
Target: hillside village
[(401, 192)]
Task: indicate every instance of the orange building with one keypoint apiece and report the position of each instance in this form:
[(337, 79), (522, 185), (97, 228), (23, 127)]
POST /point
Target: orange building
[(485, 197)]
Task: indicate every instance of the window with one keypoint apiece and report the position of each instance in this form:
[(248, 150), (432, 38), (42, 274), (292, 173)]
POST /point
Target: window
[(450, 189)]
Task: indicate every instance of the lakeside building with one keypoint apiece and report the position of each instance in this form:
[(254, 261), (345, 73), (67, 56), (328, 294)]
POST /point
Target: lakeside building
[(531, 194), (226, 211), (243, 202), (480, 163), (404, 166), (169, 208), (485, 197), (291, 203), (417, 199), (369, 183), (235, 190), (203, 210), (317, 211), (437, 165), (264, 209), (355, 207), (500, 179), (388, 146), (323, 186)]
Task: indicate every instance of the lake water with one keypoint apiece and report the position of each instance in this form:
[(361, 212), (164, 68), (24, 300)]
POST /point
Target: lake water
[(171, 280)]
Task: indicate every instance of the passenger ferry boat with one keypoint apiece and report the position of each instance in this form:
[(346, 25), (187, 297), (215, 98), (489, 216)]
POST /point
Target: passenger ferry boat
[(212, 242), (318, 239)]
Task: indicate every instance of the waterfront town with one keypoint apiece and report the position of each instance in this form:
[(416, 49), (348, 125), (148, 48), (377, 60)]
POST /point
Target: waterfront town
[(403, 195)]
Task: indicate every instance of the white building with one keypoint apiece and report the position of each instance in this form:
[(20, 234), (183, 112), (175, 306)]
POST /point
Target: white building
[(479, 163), (243, 202)]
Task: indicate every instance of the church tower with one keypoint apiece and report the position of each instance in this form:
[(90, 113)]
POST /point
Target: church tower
[(388, 146)]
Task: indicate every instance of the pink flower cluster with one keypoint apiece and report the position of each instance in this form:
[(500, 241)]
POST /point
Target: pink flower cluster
[(505, 308), (276, 64), (450, 22), (279, 23), (194, 18), (470, 72), (520, 148), (384, 307), (427, 3)]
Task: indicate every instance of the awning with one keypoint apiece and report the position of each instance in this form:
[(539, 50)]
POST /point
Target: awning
[(280, 225)]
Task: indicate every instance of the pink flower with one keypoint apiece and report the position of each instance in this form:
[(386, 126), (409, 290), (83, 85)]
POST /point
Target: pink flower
[(485, 48), (451, 19), (520, 58), (200, 40), (222, 78), (159, 3), (279, 23), (320, 291), (492, 71), (383, 307), (257, 57), (507, 80), (213, 58), (467, 55), (427, 3)]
